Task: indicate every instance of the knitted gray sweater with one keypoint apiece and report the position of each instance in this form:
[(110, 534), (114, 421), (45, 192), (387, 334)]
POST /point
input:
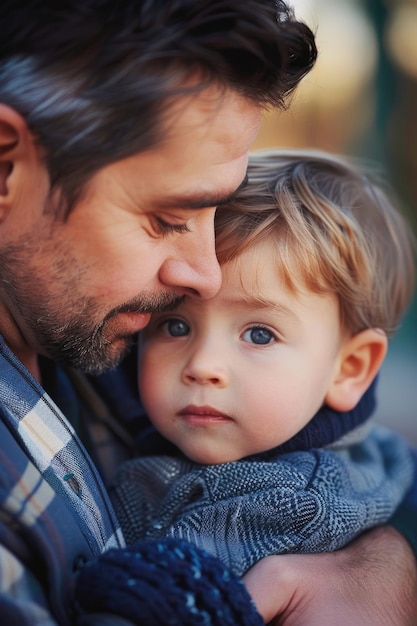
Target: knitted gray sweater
[(274, 503)]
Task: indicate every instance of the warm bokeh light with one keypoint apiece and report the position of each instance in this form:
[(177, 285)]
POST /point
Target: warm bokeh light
[(335, 101), (401, 37)]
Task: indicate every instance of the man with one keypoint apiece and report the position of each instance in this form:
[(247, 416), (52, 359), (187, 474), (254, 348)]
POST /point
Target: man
[(122, 126)]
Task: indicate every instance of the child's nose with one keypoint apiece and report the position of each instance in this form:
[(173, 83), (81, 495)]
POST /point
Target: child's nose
[(206, 367)]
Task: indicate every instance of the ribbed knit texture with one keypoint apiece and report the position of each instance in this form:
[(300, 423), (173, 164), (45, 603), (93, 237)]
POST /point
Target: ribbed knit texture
[(166, 582), (328, 425)]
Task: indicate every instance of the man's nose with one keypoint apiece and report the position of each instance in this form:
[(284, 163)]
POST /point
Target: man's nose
[(191, 265), (199, 277)]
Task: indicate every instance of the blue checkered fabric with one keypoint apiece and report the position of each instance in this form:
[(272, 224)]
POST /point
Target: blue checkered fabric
[(54, 509)]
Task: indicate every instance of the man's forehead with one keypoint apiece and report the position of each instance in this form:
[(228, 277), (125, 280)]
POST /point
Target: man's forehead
[(215, 113)]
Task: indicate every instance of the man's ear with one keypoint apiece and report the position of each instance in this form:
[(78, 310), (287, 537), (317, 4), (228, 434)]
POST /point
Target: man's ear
[(16, 150), (359, 362)]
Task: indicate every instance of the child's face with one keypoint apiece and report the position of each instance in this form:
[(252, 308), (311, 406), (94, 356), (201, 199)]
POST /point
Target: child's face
[(236, 375)]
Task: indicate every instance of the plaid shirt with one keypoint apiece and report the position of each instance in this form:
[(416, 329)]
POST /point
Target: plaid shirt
[(55, 512)]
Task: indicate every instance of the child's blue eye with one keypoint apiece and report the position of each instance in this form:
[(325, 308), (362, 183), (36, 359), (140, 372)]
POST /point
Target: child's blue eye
[(258, 335), (176, 328)]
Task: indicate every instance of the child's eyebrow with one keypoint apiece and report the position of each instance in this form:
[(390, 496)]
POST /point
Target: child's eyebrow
[(253, 302)]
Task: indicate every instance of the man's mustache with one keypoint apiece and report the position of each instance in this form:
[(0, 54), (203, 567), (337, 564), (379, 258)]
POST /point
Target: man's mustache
[(147, 304)]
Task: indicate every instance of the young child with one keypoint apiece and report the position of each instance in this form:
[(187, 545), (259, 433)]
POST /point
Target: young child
[(255, 386), (256, 389)]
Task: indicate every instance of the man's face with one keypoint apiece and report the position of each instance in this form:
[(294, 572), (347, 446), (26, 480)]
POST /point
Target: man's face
[(141, 236)]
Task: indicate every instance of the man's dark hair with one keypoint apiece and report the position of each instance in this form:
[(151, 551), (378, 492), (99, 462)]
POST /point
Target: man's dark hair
[(91, 77)]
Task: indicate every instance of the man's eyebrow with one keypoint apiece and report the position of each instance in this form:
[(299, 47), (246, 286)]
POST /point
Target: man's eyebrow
[(201, 201)]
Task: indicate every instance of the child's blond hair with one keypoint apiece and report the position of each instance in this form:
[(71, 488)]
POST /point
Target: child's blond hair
[(335, 228)]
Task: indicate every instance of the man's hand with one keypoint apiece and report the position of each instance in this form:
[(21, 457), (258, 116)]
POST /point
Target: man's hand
[(371, 582)]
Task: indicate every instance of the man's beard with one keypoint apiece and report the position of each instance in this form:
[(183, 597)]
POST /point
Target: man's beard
[(84, 346), (45, 304)]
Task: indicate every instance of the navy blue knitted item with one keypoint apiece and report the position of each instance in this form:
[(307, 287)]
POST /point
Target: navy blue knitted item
[(328, 425), (166, 582)]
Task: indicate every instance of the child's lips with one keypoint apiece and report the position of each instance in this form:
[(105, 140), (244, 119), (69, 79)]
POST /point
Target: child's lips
[(193, 414)]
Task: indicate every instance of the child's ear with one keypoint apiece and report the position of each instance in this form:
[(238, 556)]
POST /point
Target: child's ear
[(359, 361), (17, 151)]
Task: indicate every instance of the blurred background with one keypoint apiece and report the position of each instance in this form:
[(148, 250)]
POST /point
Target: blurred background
[(361, 100)]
